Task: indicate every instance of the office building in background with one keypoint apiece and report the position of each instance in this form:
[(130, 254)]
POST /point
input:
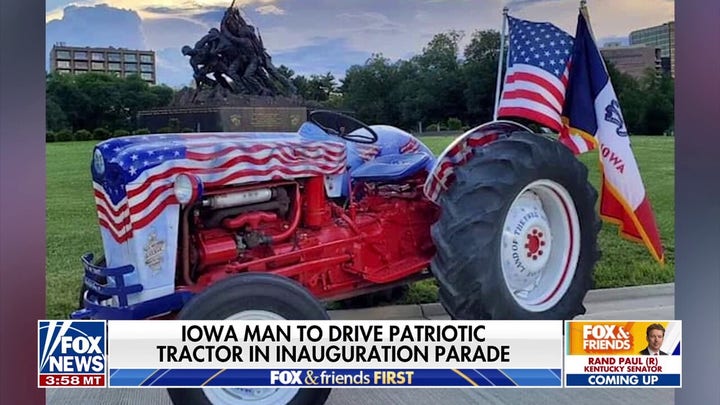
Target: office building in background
[(118, 61), (635, 60), (659, 36)]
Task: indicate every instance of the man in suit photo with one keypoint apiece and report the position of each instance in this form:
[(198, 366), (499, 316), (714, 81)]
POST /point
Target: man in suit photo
[(654, 335)]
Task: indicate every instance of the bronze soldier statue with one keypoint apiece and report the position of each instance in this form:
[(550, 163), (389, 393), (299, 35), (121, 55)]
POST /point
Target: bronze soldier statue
[(236, 51)]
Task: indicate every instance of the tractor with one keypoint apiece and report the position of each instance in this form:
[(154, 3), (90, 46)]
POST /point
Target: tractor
[(272, 226)]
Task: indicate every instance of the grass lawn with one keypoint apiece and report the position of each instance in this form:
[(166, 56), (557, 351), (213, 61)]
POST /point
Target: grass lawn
[(72, 227)]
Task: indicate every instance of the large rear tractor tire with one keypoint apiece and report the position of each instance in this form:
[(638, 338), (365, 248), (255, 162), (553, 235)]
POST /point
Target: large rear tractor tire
[(517, 234), (253, 296)]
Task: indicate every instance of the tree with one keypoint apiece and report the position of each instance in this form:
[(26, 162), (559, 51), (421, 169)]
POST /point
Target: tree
[(55, 117), (658, 114), (95, 100), (480, 75), (436, 86), (286, 71), (367, 90), (631, 98), (319, 87), (483, 44)]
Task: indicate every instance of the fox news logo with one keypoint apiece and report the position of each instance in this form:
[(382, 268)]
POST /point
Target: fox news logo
[(71, 353)]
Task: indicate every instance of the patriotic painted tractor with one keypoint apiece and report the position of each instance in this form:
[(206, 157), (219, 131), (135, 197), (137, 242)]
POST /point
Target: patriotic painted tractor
[(270, 225)]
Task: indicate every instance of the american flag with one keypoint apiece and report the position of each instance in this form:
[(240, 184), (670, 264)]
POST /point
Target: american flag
[(137, 183), (539, 58)]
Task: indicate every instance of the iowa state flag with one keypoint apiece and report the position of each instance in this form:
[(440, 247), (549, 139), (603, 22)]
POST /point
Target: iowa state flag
[(592, 112)]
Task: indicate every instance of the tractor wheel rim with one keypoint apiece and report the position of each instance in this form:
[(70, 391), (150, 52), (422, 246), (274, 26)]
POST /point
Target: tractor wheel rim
[(251, 395), (540, 245)]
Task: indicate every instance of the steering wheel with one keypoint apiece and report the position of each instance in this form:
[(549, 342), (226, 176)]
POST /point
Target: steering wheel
[(342, 125)]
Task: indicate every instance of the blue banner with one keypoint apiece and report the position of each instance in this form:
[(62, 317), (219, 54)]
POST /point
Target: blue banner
[(623, 380)]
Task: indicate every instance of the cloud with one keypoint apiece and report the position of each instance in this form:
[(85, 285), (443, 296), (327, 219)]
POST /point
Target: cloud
[(325, 55), (211, 16), (172, 32), (173, 68), (167, 10), (100, 26), (270, 9), (370, 21), (515, 4), (314, 36)]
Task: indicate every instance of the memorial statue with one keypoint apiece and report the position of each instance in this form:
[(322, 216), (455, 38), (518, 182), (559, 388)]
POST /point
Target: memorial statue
[(235, 58)]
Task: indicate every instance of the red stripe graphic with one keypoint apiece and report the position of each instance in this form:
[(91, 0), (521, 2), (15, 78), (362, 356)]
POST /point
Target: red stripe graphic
[(529, 95), (531, 114), (528, 77)]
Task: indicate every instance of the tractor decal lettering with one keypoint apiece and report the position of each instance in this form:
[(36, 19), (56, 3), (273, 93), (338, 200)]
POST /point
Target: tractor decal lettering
[(153, 251), (523, 221), (516, 256), (613, 159)]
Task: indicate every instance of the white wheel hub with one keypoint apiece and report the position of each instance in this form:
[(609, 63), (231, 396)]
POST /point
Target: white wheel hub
[(251, 395), (540, 245)]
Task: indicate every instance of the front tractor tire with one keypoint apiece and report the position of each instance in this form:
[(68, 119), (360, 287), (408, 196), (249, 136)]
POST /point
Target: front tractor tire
[(252, 296), (517, 234)]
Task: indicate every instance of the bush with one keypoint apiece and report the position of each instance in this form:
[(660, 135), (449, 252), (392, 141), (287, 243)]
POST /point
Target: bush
[(101, 134), (50, 136), (83, 135), (64, 135), (165, 130), (188, 130), (142, 131), (454, 124), (120, 132)]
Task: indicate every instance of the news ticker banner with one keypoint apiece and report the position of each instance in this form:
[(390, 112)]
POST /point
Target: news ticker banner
[(305, 353), (348, 354), (623, 354)]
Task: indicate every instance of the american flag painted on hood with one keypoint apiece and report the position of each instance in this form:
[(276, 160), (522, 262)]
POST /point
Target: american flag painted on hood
[(134, 183)]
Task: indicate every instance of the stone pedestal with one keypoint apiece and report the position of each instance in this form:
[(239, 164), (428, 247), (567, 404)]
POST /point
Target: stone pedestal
[(224, 119), (217, 110)]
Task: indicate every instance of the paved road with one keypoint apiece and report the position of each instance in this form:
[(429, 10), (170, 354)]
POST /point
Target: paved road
[(646, 302)]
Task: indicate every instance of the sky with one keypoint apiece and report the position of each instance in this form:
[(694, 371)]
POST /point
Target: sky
[(320, 36)]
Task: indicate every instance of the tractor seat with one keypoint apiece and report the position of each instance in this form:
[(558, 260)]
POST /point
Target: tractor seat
[(391, 168)]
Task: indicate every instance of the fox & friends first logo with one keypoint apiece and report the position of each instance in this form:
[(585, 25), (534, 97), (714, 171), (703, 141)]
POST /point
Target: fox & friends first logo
[(72, 354), (623, 353)]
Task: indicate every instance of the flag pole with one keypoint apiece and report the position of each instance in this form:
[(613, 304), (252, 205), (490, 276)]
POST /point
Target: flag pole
[(500, 64), (586, 14)]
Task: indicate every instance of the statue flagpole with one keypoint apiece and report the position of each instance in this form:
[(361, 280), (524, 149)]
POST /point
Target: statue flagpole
[(500, 64)]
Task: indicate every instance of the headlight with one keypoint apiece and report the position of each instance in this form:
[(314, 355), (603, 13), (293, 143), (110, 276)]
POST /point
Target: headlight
[(187, 188), (98, 162)]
